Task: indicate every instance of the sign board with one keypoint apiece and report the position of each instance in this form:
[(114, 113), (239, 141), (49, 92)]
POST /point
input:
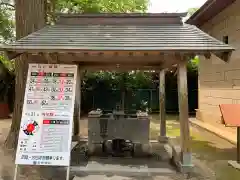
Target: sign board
[(47, 118), (230, 114), (231, 118)]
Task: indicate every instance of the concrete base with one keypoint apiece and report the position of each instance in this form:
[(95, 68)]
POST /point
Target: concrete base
[(116, 177), (162, 139), (162, 152), (186, 168), (234, 164)]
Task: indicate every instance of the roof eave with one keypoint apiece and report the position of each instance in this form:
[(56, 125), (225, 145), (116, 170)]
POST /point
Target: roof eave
[(12, 53), (209, 10), (200, 11)]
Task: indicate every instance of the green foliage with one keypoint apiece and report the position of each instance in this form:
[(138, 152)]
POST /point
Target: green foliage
[(6, 22), (9, 65), (193, 64), (126, 83), (6, 31), (6, 78), (6, 34), (191, 11), (142, 94), (118, 80), (95, 6)]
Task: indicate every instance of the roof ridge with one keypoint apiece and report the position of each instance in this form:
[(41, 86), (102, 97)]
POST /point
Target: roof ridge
[(121, 15)]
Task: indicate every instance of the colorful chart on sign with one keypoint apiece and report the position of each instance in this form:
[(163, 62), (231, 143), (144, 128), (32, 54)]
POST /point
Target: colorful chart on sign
[(30, 127), (47, 118)]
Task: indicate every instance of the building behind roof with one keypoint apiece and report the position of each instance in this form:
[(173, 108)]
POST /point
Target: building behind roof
[(219, 81)]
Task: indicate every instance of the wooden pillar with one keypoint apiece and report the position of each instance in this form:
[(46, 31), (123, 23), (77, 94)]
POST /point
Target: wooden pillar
[(162, 112), (77, 105), (183, 115)]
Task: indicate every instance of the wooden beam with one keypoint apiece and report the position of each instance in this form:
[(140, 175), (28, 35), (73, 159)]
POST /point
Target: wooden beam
[(225, 56), (111, 54), (120, 67), (51, 49), (183, 113), (110, 58), (12, 55), (113, 63), (162, 112), (132, 66), (207, 55), (52, 58), (154, 62)]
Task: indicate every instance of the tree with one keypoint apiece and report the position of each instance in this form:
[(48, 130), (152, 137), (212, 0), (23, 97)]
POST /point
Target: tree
[(30, 16), (6, 22), (95, 6), (6, 27), (191, 11), (193, 64), (126, 82)]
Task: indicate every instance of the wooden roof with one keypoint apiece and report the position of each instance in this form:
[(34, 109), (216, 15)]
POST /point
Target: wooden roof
[(209, 10), (72, 38), (154, 34)]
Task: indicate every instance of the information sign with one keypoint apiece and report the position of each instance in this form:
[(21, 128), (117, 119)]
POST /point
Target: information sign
[(46, 125)]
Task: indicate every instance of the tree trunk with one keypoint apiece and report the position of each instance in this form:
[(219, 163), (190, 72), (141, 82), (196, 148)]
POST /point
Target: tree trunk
[(30, 16)]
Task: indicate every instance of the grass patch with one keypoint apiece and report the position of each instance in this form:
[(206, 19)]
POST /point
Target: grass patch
[(216, 158), (172, 127)]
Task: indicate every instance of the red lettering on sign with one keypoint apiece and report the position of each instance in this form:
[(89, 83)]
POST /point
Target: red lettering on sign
[(46, 121)]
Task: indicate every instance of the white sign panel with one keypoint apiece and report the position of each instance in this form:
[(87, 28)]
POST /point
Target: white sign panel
[(47, 117)]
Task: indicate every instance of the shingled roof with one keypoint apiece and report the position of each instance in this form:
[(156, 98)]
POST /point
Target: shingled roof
[(114, 32)]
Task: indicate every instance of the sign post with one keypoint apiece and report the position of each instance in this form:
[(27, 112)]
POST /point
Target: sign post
[(238, 145), (45, 134)]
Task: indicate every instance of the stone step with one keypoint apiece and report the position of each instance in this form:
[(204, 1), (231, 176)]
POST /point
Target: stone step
[(123, 167), (159, 152)]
